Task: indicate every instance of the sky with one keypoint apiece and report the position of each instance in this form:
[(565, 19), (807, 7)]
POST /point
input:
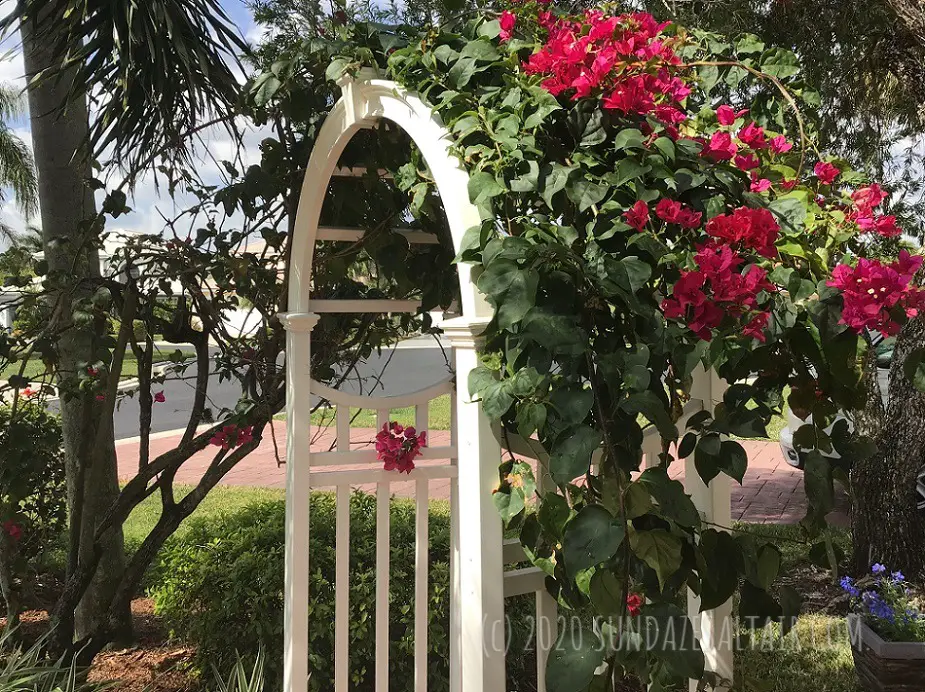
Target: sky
[(148, 203)]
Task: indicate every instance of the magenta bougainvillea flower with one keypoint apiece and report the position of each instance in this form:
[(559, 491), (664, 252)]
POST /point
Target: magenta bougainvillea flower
[(721, 147), (726, 115), (637, 216), (753, 137), (670, 211), (755, 229), (398, 446), (871, 290), (717, 289), (231, 436), (826, 172)]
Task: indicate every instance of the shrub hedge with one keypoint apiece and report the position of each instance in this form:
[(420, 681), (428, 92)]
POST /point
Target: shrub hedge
[(220, 587)]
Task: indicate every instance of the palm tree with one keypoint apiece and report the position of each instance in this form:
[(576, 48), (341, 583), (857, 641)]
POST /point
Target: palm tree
[(17, 169), (155, 71)]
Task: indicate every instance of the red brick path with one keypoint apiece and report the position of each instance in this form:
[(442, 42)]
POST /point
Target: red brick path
[(772, 491)]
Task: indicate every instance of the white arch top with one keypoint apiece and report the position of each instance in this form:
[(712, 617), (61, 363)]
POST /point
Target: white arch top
[(364, 101)]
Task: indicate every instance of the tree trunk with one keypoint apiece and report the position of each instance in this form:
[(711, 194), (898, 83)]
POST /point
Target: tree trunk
[(887, 526), (59, 136)]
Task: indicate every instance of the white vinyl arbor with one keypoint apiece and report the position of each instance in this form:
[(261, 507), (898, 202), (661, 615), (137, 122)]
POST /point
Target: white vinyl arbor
[(478, 554)]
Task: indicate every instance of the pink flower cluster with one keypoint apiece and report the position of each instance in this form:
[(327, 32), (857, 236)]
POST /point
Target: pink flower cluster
[(755, 229), (866, 200), (231, 436), (625, 58), (671, 211), (398, 446), (871, 291), (716, 289), (704, 297)]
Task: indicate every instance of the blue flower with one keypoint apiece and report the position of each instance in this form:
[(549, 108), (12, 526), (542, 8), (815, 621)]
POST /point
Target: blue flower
[(878, 568), (898, 577), (877, 607), (847, 584)]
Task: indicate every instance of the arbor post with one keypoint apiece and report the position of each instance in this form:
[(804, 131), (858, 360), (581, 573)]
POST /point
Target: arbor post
[(714, 628), (298, 465), (479, 601)]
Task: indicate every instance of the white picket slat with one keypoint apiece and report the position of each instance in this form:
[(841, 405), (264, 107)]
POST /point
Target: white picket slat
[(342, 591), (382, 585), (421, 601), (371, 456), (329, 479)]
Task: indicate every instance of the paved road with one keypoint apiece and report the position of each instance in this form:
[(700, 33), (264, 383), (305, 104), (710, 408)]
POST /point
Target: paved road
[(408, 368)]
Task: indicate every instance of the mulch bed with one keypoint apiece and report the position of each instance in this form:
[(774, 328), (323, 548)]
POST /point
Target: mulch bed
[(153, 664)]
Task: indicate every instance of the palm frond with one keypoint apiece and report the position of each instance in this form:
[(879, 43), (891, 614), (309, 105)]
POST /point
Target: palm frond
[(156, 69), (12, 103), (17, 171)]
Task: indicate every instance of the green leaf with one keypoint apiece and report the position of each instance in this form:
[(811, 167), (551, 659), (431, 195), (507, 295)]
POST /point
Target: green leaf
[(572, 403), (686, 448), (481, 50), (790, 212), (519, 298), (483, 186), (559, 334), (628, 169), (531, 416), (718, 577), (555, 181), (669, 636), (756, 606), (265, 88), (573, 660), (768, 567), (585, 193), (461, 72), (780, 63), (673, 501), (630, 138), (571, 456), (553, 513), (634, 273), (509, 504), (733, 459), (650, 406), (606, 593), (658, 549), (490, 29), (819, 484), (636, 500), (709, 76), (529, 181), (748, 44), (666, 146), (592, 537)]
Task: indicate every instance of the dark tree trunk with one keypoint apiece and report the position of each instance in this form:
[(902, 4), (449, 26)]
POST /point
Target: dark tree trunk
[(59, 136), (912, 14), (886, 524)]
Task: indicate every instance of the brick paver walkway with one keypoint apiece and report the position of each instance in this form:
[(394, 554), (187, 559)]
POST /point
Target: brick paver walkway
[(772, 491)]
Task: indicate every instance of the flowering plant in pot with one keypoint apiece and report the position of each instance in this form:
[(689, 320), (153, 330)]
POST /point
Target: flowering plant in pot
[(887, 632)]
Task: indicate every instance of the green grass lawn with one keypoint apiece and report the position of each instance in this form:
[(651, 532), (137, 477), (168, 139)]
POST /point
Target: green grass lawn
[(221, 499), (36, 368), (815, 656), (438, 415)]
